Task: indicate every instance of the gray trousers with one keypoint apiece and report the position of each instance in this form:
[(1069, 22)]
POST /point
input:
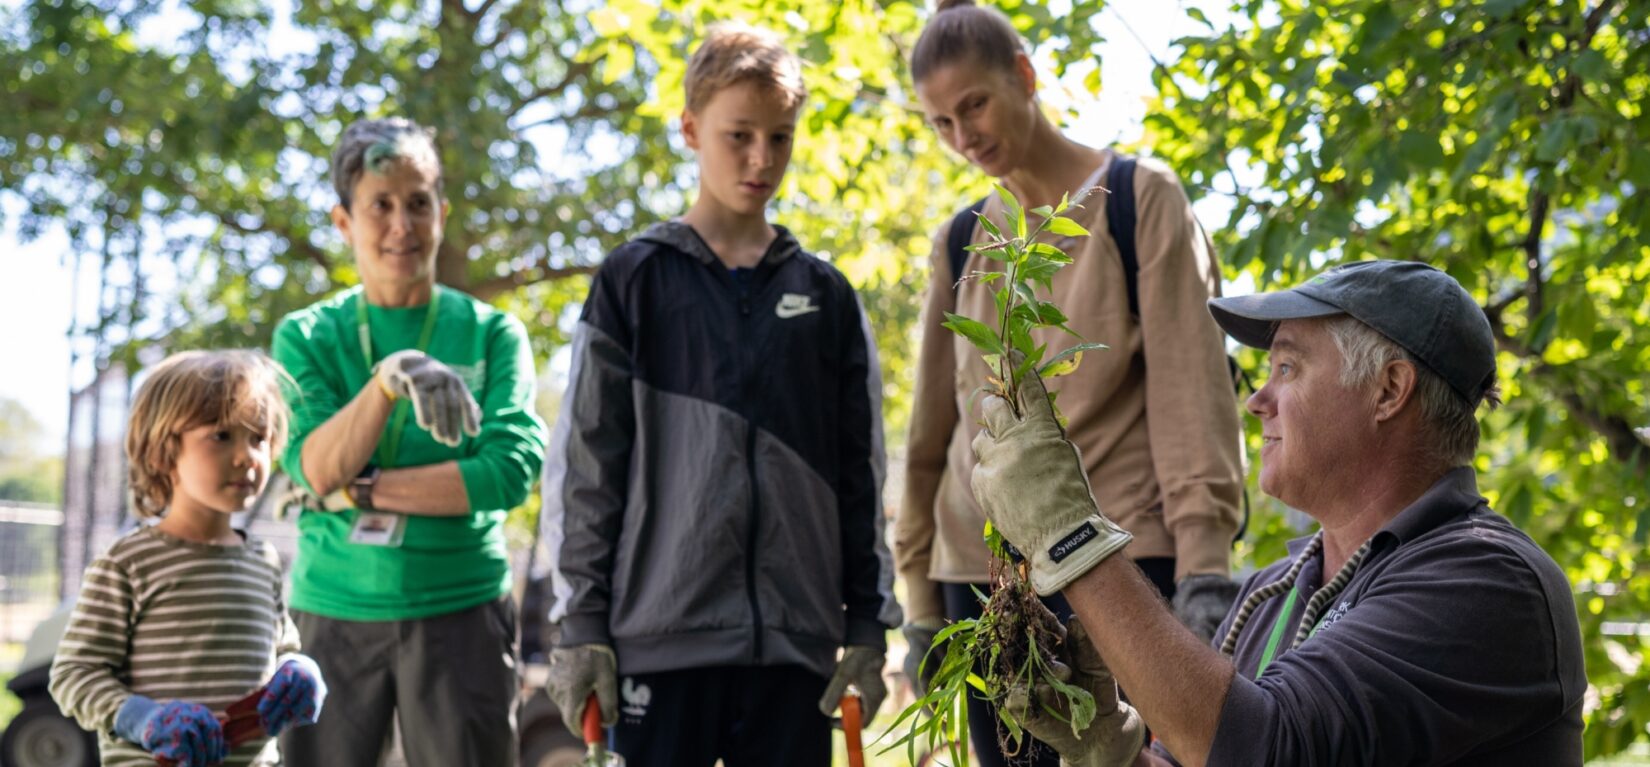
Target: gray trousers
[(449, 679)]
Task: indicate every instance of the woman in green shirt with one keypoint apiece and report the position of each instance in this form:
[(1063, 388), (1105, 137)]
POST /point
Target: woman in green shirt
[(413, 418)]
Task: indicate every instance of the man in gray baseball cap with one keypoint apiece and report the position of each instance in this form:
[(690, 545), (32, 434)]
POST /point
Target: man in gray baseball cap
[(1416, 626)]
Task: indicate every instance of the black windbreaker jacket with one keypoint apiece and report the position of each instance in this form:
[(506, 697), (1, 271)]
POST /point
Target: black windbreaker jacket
[(712, 493)]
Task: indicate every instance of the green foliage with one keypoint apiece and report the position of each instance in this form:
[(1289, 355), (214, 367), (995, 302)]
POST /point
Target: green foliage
[(28, 471), (556, 121), (1479, 137), (1502, 142)]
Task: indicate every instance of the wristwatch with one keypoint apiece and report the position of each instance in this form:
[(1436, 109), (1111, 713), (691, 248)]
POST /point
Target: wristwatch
[(360, 488)]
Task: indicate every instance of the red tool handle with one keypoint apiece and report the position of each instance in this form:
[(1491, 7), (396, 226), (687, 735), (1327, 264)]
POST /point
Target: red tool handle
[(592, 721), (240, 724), (850, 730)]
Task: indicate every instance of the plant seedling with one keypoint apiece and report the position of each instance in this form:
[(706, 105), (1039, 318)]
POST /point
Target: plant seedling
[(1016, 639)]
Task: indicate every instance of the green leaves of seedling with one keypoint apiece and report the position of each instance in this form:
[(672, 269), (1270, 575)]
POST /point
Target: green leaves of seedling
[(975, 331), (968, 644), (1027, 265), (1067, 361)]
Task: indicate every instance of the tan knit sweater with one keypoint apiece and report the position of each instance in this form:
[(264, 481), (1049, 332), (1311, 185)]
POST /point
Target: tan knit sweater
[(1154, 416)]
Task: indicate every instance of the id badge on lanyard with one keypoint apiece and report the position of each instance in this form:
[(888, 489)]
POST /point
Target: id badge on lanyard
[(387, 528)]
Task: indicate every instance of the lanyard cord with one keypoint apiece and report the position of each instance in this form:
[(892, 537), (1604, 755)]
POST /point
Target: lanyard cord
[(389, 448), (1286, 584), (1315, 606), (1260, 595), (363, 325)]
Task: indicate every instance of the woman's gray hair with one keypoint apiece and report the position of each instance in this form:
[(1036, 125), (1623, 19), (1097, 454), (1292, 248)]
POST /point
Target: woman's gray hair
[(1452, 419), (371, 144)]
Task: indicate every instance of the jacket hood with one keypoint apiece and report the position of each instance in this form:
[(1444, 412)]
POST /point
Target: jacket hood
[(683, 238)]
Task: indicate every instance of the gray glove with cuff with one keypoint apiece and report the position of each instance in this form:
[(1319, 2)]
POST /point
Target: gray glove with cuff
[(1202, 601), (442, 404), (575, 673), (862, 667)]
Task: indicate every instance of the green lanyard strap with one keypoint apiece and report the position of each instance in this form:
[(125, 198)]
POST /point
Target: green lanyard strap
[(1277, 632), (390, 447)]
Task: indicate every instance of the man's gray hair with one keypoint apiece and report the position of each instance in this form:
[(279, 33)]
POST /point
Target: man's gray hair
[(1452, 419), (372, 144)]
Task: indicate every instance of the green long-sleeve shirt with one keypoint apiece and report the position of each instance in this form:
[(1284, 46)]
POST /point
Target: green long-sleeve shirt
[(444, 564)]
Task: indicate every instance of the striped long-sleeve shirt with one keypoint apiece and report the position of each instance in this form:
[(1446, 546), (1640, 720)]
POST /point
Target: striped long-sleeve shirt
[(171, 620)]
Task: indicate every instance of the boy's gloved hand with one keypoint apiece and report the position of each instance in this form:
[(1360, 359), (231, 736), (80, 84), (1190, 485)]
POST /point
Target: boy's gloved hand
[(1031, 484), (293, 697), (577, 671), (1116, 735), (862, 667), (1202, 601), (921, 658), (183, 732), (442, 404)]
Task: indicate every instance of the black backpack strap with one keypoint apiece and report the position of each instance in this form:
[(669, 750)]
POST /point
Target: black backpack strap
[(957, 241), (1120, 213)]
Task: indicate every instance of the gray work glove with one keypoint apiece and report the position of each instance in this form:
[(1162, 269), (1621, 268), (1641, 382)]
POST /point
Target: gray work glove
[(1031, 484), (922, 659), (1116, 735), (442, 404), (575, 673), (1202, 601), (862, 667)]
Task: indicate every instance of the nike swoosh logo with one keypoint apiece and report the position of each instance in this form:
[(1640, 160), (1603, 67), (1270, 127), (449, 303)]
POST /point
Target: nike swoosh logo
[(794, 305)]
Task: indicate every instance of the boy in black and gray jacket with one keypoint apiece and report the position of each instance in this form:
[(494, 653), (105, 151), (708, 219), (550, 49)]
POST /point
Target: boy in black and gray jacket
[(712, 494)]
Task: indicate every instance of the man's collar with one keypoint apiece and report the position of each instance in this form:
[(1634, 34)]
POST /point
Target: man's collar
[(1452, 495)]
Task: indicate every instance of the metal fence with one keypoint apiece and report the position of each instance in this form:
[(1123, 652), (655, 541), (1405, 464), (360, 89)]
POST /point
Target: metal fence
[(94, 491), (29, 572)]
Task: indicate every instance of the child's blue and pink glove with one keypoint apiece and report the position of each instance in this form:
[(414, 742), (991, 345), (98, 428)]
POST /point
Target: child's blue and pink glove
[(293, 696), (185, 733)]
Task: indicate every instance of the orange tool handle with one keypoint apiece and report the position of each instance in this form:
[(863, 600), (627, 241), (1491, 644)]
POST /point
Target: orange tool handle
[(850, 730), (592, 721)]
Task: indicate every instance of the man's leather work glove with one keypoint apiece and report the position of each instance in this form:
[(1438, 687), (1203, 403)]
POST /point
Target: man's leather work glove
[(1031, 484), (1116, 735)]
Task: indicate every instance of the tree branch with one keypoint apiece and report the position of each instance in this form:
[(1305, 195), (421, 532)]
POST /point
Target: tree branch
[(1532, 253), (1623, 440), (297, 243), (486, 289), (575, 70), (586, 111), (300, 244)]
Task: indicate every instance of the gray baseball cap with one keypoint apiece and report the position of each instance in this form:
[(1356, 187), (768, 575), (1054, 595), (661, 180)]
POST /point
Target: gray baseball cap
[(1418, 307)]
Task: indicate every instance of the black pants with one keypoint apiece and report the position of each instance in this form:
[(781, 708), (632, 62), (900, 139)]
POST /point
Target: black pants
[(961, 603), (747, 716)]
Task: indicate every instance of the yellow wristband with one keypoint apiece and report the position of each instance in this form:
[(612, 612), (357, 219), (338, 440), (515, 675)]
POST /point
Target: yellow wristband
[(385, 388)]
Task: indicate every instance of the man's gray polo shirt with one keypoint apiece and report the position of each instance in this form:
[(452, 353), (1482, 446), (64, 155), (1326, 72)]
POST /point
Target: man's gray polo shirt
[(1456, 643)]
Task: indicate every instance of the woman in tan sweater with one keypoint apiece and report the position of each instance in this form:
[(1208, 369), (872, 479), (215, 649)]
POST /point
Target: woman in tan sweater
[(1154, 415)]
